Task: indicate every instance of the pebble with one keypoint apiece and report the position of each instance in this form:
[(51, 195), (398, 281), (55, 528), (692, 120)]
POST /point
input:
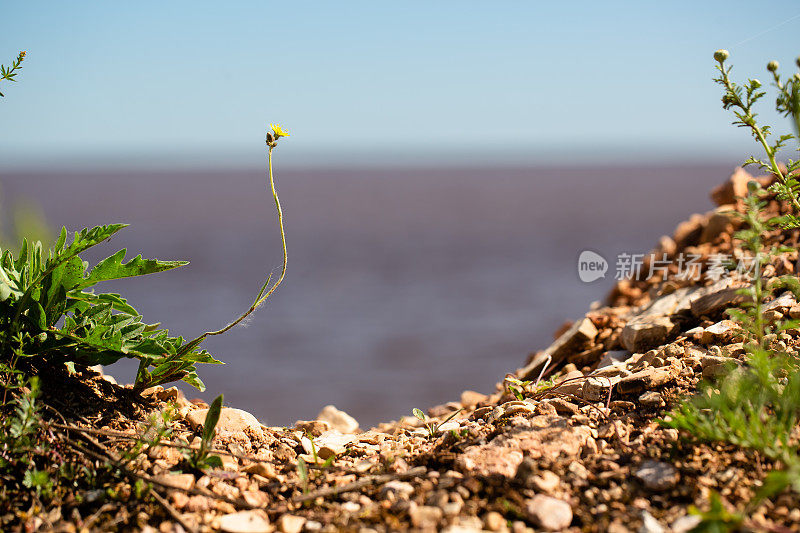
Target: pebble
[(646, 332), (266, 470), (291, 524), (650, 524), (245, 522), (471, 398), (657, 475), (231, 421), (596, 389), (652, 400), (549, 513), (397, 488), (315, 428), (425, 516), (545, 481), (562, 406), (179, 481), (647, 379), (494, 521), (338, 420), (685, 523)]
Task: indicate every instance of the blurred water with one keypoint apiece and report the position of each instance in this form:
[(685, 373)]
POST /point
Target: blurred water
[(404, 286)]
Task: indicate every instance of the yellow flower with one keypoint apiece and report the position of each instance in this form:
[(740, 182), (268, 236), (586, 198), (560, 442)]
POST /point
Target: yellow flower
[(278, 131)]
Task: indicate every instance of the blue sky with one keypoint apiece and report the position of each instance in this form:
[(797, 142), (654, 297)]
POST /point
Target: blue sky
[(195, 83)]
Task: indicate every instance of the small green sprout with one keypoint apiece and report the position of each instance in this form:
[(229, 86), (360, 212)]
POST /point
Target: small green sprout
[(202, 459), (302, 472), (431, 425)]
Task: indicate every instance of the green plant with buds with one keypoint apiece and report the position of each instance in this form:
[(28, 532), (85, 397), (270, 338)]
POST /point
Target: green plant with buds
[(9, 73), (50, 314), (741, 99)]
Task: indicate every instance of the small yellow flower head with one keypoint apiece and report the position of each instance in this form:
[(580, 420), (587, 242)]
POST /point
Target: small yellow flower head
[(772, 66), (278, 131), (22, 55), (721, 55)]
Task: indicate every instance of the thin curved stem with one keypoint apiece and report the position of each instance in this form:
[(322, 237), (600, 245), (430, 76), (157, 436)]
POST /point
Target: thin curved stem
[(262, 296)]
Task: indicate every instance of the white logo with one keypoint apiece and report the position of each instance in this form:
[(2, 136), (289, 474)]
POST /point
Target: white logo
[(591, 266)]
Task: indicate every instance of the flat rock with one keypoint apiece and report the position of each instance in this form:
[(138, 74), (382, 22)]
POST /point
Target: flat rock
[(549, 513), (570, 383), (179, 481), (651, 400), (562, 406), (596, 389), (490, 461), (245, 522), (643, 333), (613, 356), (657, 475), (715, 302), (674, 303), (471, 398), (722, 331), (571, 341), (647, 379), (338, 419), (733, 189), (232, 422), (719, 222)]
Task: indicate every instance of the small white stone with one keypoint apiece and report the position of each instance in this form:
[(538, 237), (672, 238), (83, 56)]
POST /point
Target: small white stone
[(245, 522)]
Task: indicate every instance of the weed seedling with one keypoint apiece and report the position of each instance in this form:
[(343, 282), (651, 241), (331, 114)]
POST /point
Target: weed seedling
[(431, 425)]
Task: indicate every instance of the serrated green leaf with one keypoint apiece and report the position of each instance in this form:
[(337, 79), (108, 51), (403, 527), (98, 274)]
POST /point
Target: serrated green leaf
[(113, 268)]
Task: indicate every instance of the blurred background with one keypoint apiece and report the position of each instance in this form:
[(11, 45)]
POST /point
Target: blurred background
[(447, 164)]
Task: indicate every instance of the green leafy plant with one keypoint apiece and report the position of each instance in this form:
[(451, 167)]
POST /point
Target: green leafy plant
[(9, 73), (755, 405), (431, 425), (741, 99), (50, 312)]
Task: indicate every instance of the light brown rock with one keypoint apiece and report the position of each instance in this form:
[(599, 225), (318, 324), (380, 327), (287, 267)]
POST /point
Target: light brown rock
[(488, 460), (494, 521), (641, 334), (291, 524), (549, 513), (179, 481), (245, 522), (651, 400), (733, 189), (471, 398), (338, 419), (572, 341), (232, 422), (425, 516), (718, 301), (647, 379)]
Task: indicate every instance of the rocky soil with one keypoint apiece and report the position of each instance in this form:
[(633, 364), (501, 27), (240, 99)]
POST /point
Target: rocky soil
[(581, 451)]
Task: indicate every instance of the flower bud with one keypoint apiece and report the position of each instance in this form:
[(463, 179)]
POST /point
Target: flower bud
[(797, 77), (797, 61), (721, 55), (753, 186), (772, 66), (755, 83)]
